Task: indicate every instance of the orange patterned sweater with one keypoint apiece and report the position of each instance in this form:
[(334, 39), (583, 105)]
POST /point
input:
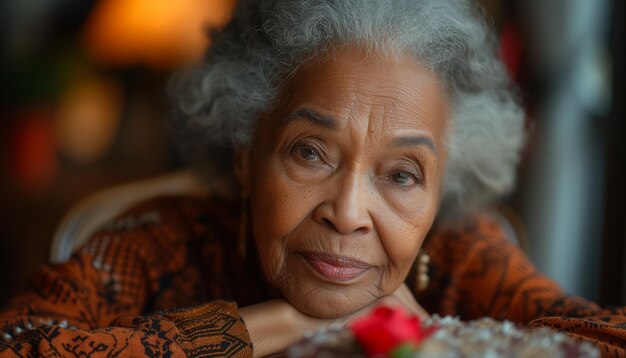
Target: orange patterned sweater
[(162, 280)]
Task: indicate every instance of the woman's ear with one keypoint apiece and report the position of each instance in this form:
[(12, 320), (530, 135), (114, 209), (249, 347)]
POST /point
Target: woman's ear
[(242, 169)]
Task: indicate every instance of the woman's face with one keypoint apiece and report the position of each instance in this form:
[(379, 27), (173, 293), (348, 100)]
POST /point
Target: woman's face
[(344, 179)]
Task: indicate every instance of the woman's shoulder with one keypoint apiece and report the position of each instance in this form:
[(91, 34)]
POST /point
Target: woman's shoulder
[(492, 227), (165, 225), (167, 241), (189, 215)]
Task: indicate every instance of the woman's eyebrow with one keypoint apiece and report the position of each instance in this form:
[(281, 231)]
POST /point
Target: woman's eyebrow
[(413, 141), (314, 117)]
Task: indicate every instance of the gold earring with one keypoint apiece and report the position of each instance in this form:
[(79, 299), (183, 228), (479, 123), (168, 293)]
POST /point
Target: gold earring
[(421, 276), (243, 227)]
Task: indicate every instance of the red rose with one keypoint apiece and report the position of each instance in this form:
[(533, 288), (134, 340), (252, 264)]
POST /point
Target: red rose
[(386, 328)]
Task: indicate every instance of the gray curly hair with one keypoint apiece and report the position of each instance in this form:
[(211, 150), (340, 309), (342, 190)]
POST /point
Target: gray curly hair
[(218, 102)]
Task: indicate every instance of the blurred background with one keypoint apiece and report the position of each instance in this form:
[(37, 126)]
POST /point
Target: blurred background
[(83, 99)]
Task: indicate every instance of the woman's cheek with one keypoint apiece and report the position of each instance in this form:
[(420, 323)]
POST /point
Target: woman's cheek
[(281, 203), (276, 257), (278, 209), (403, 248), (402, 237)]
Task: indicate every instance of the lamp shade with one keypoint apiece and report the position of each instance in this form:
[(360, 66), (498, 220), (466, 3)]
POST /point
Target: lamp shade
[(158, 33)]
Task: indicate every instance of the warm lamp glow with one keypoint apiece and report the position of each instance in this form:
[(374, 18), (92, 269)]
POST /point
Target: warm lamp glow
[(87, 118), (159, 33)]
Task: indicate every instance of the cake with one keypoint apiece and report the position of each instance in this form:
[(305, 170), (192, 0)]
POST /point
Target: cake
[(452, 338)]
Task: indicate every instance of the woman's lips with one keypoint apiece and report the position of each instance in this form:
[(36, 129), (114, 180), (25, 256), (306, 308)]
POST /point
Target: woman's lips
[(336, 268)]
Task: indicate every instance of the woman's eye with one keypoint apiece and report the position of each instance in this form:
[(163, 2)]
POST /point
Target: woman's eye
[(308, 153), (404, 178)]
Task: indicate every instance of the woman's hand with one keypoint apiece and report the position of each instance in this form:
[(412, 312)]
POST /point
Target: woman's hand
[(401, 297), (276, 324)]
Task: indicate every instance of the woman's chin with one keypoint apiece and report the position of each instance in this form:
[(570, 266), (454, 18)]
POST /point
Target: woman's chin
[(317, 296), (326, 304)]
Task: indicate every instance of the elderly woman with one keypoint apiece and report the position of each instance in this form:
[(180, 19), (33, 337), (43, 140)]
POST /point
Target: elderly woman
[(361, 132)]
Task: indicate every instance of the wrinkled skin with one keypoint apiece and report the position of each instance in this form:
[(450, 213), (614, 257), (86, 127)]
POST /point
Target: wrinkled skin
[(349, 164)]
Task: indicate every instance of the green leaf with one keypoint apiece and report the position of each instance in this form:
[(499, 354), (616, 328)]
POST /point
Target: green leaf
[(403, 351)]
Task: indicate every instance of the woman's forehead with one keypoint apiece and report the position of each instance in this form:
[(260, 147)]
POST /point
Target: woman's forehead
[(396, 93)]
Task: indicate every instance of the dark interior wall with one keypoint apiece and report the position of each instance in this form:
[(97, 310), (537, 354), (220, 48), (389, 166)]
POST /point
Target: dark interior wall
[(613, 287)]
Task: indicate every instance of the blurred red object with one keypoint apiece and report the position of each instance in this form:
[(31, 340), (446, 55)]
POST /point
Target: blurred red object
[(511, 48), (162, 34), (386, 329), (32, 153)]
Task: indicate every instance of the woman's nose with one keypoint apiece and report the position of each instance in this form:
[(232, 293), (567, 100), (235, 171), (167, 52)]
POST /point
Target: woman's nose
[(347, 208)]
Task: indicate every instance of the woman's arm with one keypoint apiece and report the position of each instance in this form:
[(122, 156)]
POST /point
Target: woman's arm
[(477, 272), (213, 329), (67, 311), (275, 325), (102, 298)]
